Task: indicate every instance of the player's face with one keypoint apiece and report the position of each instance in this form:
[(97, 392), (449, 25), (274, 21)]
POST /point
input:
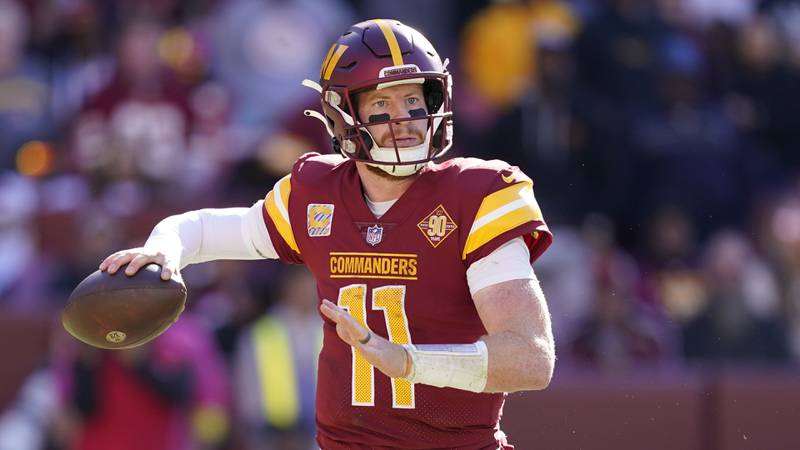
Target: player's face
[(394, 102)]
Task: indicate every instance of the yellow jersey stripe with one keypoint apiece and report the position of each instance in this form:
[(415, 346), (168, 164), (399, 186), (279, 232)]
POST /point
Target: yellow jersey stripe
[(504, 196), (510, 220), (334, 60), (501, 212), (284, 229), (391, 39), (326, 60), (276, 372)]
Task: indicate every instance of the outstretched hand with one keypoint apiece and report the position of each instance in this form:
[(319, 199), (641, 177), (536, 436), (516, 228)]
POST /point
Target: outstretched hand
[(390, 358), (136, 258)]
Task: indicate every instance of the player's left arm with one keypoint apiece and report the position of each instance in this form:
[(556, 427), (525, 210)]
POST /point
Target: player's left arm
[(517, 353), (519, 336)]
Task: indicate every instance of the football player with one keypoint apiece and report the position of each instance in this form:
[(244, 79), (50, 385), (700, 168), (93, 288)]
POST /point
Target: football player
[(432, 309)]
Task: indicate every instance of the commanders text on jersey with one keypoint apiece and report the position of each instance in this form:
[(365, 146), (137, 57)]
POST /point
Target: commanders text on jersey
[(395, 266)]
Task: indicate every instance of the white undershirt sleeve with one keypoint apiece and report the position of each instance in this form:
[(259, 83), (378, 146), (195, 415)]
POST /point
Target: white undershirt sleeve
[(209, 234), (510, 261)]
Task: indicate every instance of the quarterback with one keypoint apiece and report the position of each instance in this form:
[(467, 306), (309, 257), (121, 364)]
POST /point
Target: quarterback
[(432, 309)]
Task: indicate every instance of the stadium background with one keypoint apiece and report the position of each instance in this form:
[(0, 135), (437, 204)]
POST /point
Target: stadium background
[(663, 138)]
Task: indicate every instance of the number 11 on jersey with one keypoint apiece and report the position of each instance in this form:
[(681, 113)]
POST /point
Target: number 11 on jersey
[(390, 300)]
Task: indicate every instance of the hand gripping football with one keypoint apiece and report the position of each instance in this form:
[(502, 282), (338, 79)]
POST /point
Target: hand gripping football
[(119, 311)]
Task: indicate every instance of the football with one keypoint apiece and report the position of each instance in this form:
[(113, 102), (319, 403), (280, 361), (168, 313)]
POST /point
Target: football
[(119, 311)]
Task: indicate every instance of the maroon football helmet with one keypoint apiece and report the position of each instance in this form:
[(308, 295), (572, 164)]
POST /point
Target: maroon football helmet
[(373, 55)]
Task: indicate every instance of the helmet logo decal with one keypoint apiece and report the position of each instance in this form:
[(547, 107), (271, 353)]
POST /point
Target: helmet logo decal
[(327, 58), (391, 39), (319, 219), (437, 225), (331, 60)]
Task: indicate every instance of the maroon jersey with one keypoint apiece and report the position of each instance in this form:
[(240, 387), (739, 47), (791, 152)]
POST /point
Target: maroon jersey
[(404, 276)]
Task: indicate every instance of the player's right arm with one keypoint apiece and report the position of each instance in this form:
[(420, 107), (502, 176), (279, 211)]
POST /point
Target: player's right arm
[(262, 231), (199, 236)]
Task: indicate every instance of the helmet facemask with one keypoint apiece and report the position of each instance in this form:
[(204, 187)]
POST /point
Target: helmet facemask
[(352, 138)]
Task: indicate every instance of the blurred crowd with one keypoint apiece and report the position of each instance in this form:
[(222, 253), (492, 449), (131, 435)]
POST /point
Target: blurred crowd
[(663, 137)]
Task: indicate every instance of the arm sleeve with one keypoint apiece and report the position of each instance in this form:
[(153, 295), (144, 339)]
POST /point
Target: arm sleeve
[(209, 234), (510, 261)]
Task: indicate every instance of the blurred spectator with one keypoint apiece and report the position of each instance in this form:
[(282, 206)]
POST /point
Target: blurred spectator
[(27, 423), (262, 52), (565, 273), (671, 280), (18, 246), (741, 322), (671, 238), (499, 49), (170, 394), (94, 231), (684, 134), (619, 333), (522, 103), (229, 295), (706, 12), (137, 127), (764, 102), (24, 90), (616, 63), (74, 36), (275, 369), (277, 151), (779, 234), (618, 51)]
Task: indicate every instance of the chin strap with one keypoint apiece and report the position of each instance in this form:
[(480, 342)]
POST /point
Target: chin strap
[(383, 155)]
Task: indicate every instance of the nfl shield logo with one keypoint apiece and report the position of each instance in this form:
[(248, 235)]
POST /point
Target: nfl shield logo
[(374, 235)]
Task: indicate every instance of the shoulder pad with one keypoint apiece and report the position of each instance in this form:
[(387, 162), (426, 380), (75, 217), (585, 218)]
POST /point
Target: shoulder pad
[(312, 167), (479, 176)]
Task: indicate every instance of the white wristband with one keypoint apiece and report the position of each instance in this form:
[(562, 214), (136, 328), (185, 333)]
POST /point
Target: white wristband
[(460, 366)]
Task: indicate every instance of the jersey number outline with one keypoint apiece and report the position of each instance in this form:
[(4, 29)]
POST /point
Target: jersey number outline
[(390, 300)]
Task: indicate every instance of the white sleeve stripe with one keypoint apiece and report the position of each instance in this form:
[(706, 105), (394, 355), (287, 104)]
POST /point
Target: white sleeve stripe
[(499, 212), (279, 201), (510, 261)]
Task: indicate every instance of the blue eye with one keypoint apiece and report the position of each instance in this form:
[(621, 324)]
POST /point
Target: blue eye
[(380, 103), (412, 100)]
